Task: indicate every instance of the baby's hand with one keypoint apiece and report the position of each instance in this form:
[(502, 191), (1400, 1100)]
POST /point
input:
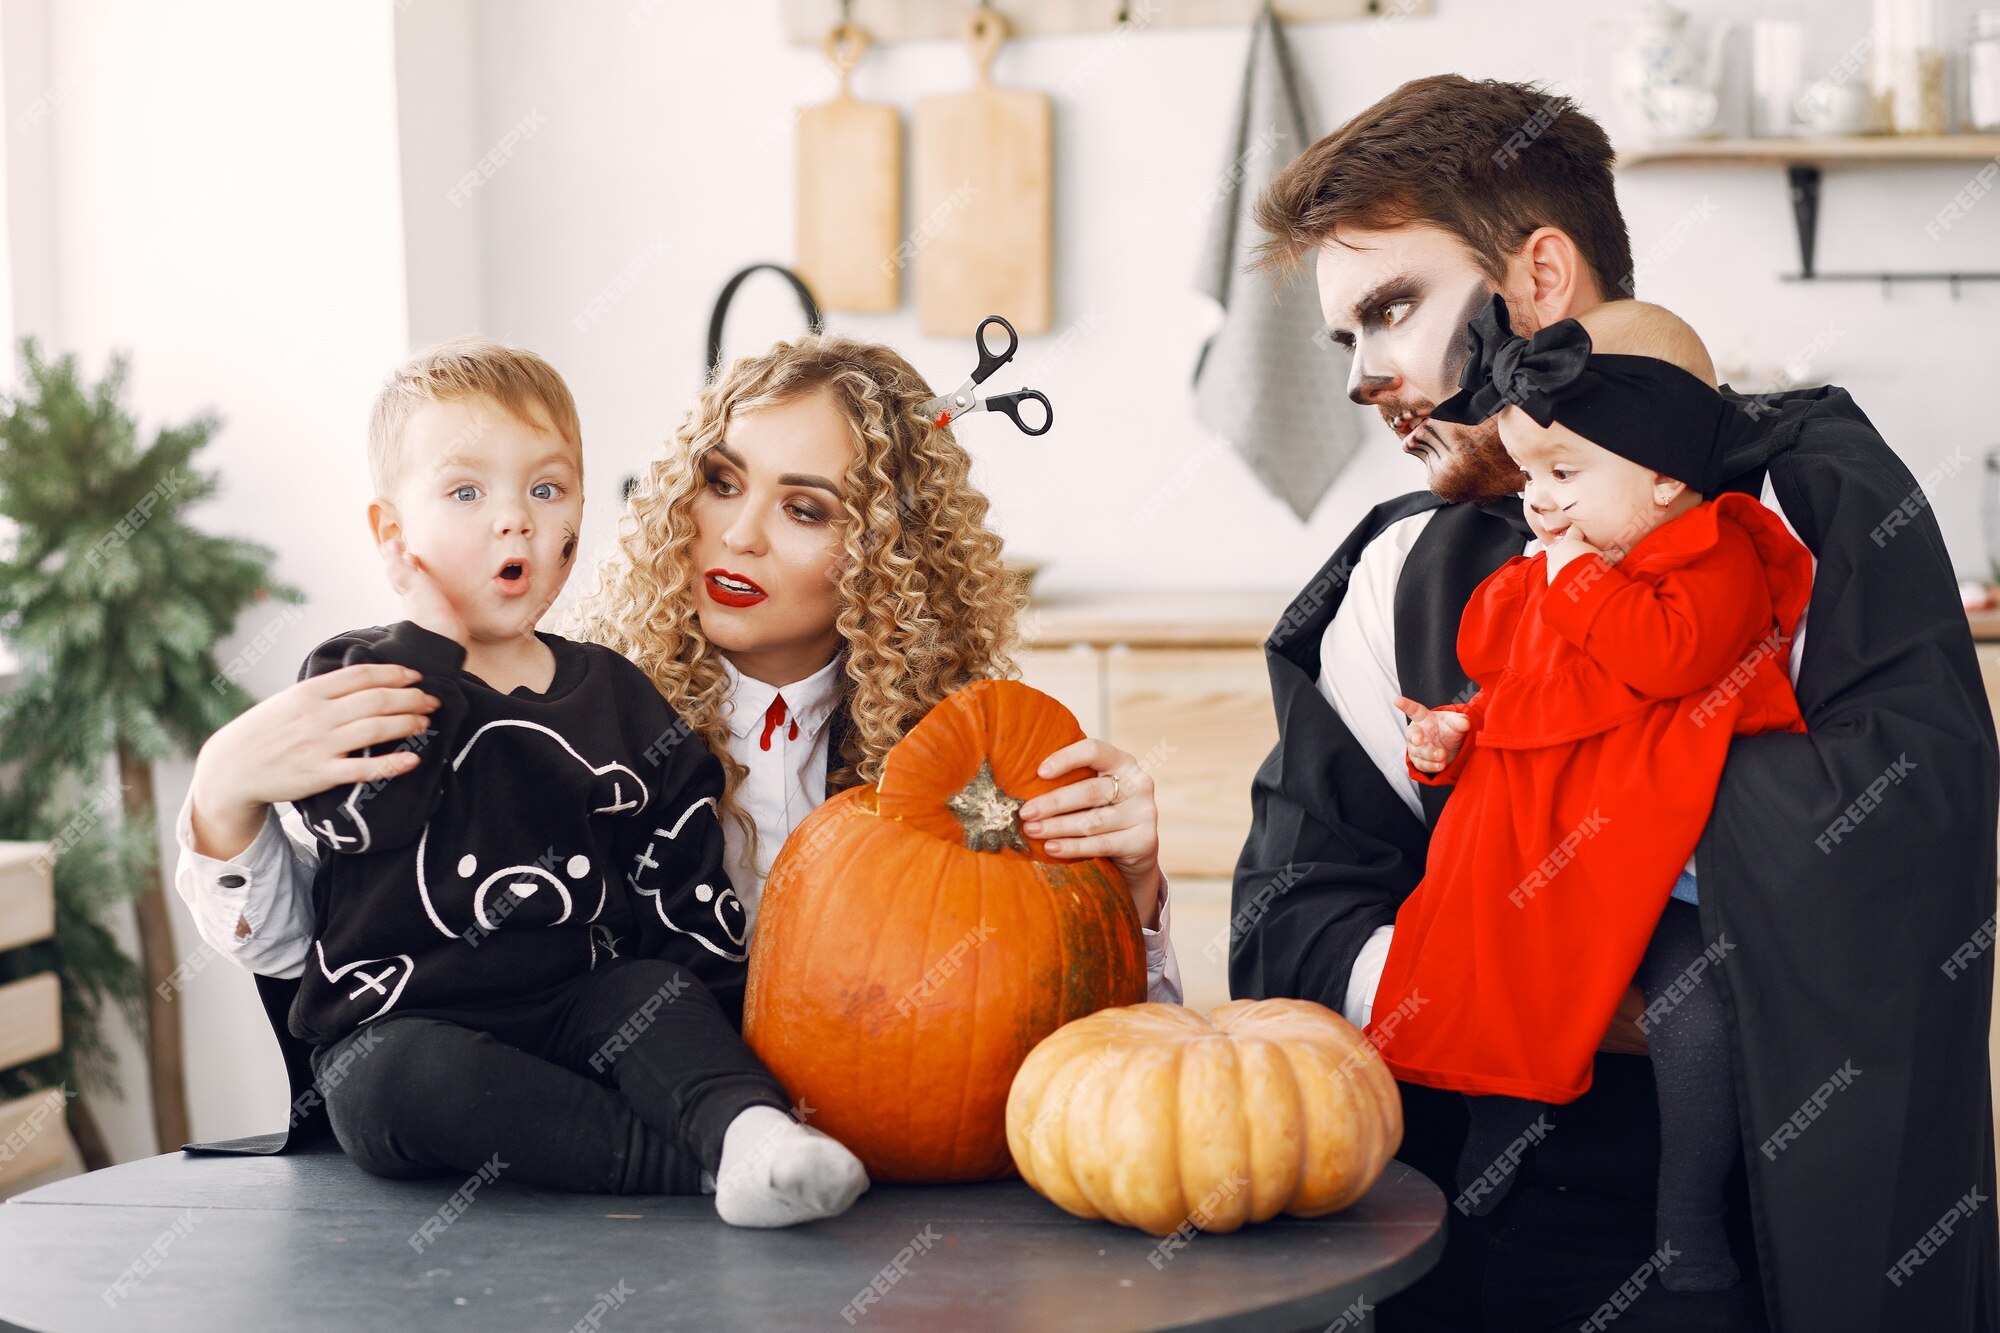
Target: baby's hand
[(424, 602), (1568, 546), (1434, 738)]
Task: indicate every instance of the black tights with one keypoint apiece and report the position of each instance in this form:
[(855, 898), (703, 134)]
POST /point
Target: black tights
[(619, 1082), (1688, 1038)]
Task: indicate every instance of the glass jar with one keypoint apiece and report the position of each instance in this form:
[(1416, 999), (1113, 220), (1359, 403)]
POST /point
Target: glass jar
[(1982, 71), (1907, 68)]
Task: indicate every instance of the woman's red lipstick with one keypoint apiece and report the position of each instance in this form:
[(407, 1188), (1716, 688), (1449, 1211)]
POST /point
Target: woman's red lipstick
[(730, 589)]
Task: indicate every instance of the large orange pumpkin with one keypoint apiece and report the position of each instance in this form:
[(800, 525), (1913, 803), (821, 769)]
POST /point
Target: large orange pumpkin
[(913, 944), (1155, 1117)]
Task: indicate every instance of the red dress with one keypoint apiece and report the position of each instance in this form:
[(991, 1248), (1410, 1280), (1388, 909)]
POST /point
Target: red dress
[(1607, 703)]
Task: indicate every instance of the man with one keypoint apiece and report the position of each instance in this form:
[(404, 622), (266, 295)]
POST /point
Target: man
[(1846, 876)]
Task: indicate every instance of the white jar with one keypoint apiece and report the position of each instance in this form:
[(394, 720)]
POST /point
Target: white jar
[(1907, 67), (1982, 70)]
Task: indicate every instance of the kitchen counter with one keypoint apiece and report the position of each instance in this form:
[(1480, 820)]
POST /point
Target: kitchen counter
[(1158, 618)]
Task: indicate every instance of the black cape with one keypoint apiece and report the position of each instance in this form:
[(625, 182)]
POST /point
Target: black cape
[(1849, 870)]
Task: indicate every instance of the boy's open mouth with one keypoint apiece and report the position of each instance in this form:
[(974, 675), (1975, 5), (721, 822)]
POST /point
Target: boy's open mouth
[(512, 576)]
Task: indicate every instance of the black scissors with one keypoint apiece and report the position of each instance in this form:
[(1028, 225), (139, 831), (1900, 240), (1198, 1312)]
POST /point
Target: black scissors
[(950, 407)]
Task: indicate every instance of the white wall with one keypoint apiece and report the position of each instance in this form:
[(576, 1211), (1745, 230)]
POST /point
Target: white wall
[(226, 206), (437, 130), (258, 202)]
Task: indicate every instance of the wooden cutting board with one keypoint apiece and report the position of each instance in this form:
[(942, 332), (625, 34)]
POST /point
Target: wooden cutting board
[(983, 226), (850, 192)]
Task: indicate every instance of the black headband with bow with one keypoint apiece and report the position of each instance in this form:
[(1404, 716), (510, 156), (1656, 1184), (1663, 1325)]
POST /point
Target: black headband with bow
[(1638, 407)]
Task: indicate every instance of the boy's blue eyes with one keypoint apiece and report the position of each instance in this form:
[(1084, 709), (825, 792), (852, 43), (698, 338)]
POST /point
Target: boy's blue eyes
[(541, 490)]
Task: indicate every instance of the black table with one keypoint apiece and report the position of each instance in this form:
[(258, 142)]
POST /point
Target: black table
[(245, 1244)]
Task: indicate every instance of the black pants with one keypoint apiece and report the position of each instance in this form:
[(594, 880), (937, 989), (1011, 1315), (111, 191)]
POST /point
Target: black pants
[(1577, 1225), (621, 1082)]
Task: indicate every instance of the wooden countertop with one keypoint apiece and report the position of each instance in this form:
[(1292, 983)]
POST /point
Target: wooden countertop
[(1155, 618), (1210, 618)]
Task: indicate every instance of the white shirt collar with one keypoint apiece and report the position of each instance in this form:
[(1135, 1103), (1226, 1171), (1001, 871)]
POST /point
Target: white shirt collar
[(809, 702)]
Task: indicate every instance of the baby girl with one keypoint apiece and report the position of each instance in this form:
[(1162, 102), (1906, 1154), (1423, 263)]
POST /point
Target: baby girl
[(1614, 666)]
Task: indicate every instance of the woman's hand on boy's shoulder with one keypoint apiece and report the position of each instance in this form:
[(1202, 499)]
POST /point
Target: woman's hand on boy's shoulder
[(301, 741)]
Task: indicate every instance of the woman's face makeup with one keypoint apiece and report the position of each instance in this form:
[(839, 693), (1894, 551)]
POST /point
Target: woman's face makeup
[(767, 548), (1399, 301)]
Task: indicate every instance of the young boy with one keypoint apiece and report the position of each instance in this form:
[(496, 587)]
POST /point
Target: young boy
[(528, 950)]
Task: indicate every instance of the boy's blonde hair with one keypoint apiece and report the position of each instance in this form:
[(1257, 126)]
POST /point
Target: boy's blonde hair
[(1640, 328), (463, 368), (925, 604)]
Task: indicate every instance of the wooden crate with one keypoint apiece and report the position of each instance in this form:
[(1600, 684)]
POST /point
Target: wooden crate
[(27, 894), (33, 1136)]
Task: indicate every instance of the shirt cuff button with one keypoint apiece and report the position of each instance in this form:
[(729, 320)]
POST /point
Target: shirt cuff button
[(231, 881)]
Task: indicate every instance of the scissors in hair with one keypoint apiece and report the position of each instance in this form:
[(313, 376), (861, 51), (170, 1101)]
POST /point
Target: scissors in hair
[(947, 408)]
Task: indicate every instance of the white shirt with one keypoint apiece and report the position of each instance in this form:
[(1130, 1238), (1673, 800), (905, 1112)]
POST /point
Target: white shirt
[(268, 886), (787, 763), (1358, 677)]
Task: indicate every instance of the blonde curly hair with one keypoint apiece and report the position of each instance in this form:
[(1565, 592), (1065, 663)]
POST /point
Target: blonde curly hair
[(925, 604)]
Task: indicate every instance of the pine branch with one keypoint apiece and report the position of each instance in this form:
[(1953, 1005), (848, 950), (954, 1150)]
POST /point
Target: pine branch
[(114, 603)]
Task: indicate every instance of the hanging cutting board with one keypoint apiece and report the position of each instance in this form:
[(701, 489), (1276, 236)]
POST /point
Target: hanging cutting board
[(982, 229), (850, 192)]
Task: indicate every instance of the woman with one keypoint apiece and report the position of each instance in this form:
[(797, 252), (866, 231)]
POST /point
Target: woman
[(804, 576)]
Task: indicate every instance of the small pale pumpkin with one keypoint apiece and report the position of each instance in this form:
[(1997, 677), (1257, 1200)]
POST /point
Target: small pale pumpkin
[(913, 944), (1154, 1117)]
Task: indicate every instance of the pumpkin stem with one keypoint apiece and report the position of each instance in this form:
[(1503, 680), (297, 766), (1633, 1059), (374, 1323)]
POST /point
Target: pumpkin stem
[(989, 816)]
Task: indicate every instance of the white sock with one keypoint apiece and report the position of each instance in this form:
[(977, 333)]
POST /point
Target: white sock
[(776, 1172)]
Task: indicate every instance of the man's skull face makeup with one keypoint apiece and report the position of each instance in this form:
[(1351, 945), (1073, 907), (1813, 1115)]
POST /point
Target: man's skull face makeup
[(1400, 300)]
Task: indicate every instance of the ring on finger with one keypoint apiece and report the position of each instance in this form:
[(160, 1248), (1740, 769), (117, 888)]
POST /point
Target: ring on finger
[(1117, 788)]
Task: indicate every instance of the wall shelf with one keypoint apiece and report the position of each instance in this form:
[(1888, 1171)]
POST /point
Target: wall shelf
[(1858, 150), (1804, 161), (807, 22)]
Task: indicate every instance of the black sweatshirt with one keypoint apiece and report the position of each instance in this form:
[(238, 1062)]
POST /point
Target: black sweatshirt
[(538, 835)]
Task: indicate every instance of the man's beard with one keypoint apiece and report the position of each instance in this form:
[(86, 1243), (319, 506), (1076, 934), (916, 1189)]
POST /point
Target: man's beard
[(1474, 467)]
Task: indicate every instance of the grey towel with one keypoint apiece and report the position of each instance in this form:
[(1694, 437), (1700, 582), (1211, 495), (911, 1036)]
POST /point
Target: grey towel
[(1264, 382)]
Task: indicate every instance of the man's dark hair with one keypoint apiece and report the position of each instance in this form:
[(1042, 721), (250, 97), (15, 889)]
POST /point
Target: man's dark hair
[(1487, 161)]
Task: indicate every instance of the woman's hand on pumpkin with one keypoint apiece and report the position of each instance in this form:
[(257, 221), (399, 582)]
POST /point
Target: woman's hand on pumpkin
[(1109, 812)]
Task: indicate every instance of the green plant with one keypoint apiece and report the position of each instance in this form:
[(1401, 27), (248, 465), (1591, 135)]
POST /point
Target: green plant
[(113, 603)]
